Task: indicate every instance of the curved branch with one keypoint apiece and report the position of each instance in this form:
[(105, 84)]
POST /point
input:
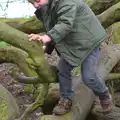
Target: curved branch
[(110, 16), (19, 39), (17, 56), (23, 79), (35, 50), (42, 93), (114, 76), (27, 80), (27, 25), (30, 80), (108, 60), (99, 6)]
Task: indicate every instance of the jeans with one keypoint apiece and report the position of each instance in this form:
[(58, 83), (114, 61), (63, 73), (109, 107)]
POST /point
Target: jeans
[(89, 72)]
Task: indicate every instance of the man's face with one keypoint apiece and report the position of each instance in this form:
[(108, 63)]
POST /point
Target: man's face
[(38, 3)]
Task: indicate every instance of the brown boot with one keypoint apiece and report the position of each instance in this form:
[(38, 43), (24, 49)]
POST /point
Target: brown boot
[(63, 107), (106, 104)]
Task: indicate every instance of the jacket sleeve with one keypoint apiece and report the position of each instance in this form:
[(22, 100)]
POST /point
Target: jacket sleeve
[(66, 13), (49, 48)]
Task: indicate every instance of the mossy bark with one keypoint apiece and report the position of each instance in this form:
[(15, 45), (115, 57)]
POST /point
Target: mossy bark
[(8, 106), (81, 106), (99, 6), (19, 57), (34, 50), (110, 16), (27, 25), (116, 32)]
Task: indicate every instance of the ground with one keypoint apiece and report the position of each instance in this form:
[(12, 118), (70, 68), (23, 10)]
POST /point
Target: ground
[(23, 99)]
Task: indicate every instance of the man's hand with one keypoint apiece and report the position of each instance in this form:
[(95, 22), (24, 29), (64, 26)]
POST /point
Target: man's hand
[(42, 38)]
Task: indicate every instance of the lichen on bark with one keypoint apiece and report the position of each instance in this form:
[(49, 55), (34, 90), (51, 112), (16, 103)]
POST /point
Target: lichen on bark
[(3, 109)]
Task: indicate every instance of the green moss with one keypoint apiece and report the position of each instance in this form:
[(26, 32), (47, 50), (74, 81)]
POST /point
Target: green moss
[(32, 23), (31, 63), (27, 25), (76, 71), (29, 88), (116, 33), (3, 91), (4, 110), (67, 116), (3, 44)]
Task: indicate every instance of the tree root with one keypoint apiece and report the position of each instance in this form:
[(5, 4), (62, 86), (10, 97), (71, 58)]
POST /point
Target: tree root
[(114, 115), (43, 91)]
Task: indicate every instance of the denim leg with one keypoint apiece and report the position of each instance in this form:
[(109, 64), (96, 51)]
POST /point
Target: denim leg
[(65, 80), (90, 74)]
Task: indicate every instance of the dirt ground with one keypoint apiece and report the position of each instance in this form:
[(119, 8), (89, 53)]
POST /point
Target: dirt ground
[(23, 99)]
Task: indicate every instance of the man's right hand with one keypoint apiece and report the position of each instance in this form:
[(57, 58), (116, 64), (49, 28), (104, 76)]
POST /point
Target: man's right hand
[(33, 37)]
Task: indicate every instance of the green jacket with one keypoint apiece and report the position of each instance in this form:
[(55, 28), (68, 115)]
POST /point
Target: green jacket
[(73, 27)]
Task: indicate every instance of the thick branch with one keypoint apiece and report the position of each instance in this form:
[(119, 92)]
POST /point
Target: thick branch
[(114, 76), (27, 25), (109, 58), (41, 95), (99, 6), (27, 80), (35, 51), (17, 56), (110, 16), (23, 79)]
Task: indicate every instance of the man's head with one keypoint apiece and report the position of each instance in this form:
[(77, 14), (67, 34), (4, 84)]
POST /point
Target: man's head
[(38, 3)]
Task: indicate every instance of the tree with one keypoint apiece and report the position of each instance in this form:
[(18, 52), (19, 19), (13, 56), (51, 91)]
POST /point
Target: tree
[(29, 56)]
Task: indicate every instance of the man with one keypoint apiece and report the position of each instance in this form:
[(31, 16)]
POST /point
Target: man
[(73, 29)]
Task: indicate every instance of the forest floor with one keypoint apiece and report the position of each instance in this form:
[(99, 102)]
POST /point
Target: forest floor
[(17, 89)]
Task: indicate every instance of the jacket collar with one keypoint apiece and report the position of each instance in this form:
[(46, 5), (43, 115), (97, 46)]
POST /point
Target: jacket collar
[(52, 3)]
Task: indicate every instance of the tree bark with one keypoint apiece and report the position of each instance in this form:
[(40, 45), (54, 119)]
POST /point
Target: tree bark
[(34, 50), (8, 107), (26, 25), (99, 6), (17, 56), (110, 16)]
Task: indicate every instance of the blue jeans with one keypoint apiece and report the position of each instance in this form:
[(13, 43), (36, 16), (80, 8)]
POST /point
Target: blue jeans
[(90, 76)]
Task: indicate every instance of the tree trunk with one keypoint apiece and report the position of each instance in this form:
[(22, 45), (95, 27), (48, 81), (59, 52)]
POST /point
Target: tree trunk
[(35, 51)]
